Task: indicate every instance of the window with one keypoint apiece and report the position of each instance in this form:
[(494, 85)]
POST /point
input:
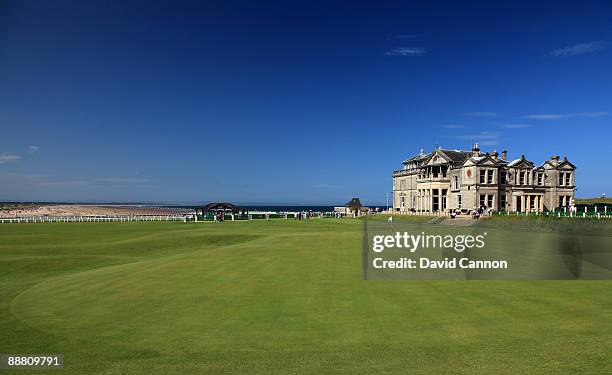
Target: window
[(444, 196), (522, 178), (561, 201), (483, 198), (483, 176), (490, 177), (503, 177), (541, 179), (459, 201), (490, 200), (502, 202), (532, 203), (402, 201), (561, 179), (456, 182), (568, 179)]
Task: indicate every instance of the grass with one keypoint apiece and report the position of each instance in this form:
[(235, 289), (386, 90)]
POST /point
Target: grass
[(275, 297)]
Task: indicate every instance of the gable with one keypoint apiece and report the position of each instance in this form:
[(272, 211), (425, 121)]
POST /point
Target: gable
[(487, 162), (438, 158), (521, 163), (566, 165)]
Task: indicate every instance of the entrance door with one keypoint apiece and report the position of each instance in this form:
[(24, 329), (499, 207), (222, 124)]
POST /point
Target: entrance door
[(519, 203)]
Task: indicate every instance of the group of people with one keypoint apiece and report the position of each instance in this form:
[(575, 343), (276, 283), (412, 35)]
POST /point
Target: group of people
[(303, 215), (482, 210), (477, 212)]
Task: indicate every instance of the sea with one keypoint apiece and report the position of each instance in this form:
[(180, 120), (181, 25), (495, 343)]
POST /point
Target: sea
[(248, 207)]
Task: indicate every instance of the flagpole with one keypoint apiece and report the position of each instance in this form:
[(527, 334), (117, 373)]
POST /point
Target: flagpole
[(387, 201)]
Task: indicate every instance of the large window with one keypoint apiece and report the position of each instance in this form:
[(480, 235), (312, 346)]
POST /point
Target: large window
[(490, 177), (503, 177), (502, 202), (483, 200), (443, 197), (483, 176), (523, 177), (541, 179), (456, 182), (561, 179), (568, 179), (490, 200)]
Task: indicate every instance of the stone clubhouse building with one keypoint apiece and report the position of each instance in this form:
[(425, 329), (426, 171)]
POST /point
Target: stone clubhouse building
[(443, 180)]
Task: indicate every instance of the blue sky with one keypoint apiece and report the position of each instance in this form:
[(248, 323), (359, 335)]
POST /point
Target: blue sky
[(291, 102)]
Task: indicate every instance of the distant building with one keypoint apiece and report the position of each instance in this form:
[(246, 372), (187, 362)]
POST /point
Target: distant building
[(453, 179), (353, 207)]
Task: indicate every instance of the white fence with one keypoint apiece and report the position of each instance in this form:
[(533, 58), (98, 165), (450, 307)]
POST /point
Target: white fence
[(92, 219)]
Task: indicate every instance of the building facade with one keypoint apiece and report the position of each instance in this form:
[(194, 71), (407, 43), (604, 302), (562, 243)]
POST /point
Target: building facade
[(443, 180)]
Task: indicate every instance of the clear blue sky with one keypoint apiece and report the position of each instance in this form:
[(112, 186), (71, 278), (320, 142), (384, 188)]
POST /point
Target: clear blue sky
[(291, 102)]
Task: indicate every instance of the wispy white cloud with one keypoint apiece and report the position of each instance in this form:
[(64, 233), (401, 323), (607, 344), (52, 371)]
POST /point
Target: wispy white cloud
[(578, 49), (121, 180), (563, 116), (482, 138), (482, 114), (488, 143), (454, 126), (44, 181), (7, 158), (515, 126), (323, 186), (32, 149), (407, 51)]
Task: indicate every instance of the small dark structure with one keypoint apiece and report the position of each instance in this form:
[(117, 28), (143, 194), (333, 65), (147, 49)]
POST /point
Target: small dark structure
[(217, 207), (355, 206)]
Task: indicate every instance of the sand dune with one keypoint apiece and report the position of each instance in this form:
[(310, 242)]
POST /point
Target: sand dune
[(85, 210)]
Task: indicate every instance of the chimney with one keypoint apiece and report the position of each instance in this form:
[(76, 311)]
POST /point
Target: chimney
[(554, 160), (505, 155), (495, 155), (475, 150)]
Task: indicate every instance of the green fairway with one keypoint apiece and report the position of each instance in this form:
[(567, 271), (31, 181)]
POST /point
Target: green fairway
[(276, 297)]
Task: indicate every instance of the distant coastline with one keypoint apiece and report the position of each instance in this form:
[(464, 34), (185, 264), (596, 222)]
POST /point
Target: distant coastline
[(12, 209)]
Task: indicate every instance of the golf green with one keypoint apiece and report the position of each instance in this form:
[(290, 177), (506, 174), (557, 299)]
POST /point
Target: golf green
[(276, 297)]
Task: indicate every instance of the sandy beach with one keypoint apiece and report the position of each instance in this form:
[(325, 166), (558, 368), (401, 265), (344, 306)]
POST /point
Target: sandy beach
[(87, 210)]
